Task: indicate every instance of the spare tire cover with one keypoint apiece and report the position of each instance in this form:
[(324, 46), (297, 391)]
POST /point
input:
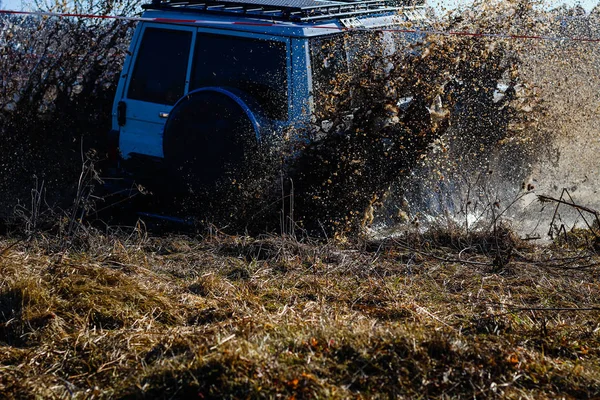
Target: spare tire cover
[(210, 135)]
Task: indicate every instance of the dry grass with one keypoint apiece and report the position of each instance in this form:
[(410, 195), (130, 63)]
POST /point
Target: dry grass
[(237, 317)]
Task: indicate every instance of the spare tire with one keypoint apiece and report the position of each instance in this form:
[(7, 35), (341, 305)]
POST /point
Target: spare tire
[(210, 138)]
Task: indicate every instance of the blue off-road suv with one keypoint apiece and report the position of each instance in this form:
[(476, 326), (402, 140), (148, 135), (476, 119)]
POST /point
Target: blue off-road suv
[(205, 82)]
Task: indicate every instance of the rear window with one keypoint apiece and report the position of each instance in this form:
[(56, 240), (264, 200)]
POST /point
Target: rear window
[(161, 66), (255, 66)]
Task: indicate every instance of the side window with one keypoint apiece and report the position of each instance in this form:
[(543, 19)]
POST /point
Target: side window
[(329, 64), (161, 66), (257, 67)]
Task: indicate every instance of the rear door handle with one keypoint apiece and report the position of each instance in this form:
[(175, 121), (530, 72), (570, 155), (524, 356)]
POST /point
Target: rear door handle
[(163, 114)]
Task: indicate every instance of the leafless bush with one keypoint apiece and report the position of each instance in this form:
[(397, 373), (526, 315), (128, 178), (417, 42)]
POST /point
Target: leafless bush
[(58, 81), (61, 228)]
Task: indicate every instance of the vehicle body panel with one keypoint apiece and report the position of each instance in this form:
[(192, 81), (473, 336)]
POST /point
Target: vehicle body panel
[(143, 130)]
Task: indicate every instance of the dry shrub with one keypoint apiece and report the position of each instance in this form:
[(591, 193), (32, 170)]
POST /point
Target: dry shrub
[(577, 239), (59, 78)]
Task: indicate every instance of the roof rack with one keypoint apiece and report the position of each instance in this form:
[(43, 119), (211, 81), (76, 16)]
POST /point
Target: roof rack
[(286, 10)]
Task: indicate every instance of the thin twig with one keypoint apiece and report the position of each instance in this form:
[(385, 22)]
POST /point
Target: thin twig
[(450, 260), (520, 308), (545, 199)]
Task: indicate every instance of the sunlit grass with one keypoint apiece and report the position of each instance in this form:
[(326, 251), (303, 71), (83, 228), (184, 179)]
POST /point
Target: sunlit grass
[(243, 317)]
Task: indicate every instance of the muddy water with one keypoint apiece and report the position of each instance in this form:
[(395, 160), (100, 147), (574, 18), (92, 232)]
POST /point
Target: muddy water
[(551, 141), (568, 77), (471, 122)]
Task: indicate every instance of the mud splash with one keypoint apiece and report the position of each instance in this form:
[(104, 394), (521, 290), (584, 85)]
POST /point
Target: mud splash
[(551, 145), (432, 103), (493, 123)]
